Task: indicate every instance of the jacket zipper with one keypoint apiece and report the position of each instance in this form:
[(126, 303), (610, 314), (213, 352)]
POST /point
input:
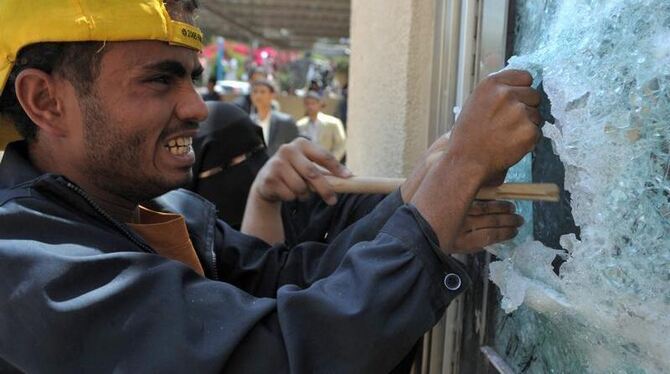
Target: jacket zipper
[(127, 233), (108, 218), (215, 269)]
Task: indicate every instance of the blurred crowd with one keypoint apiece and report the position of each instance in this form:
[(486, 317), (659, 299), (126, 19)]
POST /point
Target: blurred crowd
[(243, 131)]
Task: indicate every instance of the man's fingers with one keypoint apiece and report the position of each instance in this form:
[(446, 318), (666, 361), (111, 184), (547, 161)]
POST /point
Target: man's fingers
[(296, 184), (324, 189), (496, 180), (323, 158), (311, 175), (527, 95), (538, 135), (534, 115), (527, 135), (481, 207), (280, 191), (476, 240), (514, 77), (305, 164), (474, 223)]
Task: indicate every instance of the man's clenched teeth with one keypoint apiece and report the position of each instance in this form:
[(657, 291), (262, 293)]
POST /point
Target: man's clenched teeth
[(180, 146)]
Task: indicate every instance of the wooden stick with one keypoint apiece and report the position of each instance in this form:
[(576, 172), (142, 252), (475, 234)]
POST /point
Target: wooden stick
[(509, 191)]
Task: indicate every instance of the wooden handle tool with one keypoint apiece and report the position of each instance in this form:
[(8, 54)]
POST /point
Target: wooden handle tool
[(508, 191)]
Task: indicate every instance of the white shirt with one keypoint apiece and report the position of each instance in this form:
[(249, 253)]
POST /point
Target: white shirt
[(264, 124), (311, 131)]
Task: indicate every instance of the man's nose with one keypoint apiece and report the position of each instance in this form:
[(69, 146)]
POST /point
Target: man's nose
[(191, 107)]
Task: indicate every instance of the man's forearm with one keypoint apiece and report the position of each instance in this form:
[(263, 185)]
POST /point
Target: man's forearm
[(458, 183)]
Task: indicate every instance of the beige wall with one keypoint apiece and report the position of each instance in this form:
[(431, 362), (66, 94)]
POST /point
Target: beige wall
[(390, 84)]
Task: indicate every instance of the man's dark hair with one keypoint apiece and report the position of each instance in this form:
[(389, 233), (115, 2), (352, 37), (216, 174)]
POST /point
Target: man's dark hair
[(182, 10), (264, 83), (258, 70), (78, 62), (313, 95)]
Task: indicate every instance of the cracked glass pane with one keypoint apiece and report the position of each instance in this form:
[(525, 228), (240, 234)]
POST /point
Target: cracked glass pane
[(605, 66)]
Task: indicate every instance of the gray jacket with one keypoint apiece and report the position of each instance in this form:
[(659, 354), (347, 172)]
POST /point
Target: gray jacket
[(80, 292), (282, 130)]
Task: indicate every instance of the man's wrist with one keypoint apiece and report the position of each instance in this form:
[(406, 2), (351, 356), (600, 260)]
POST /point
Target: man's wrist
[(446, 194), (260, 201), (471, 172)]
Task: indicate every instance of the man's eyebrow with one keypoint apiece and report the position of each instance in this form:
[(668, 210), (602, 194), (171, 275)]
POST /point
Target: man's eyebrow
[(174, 68)]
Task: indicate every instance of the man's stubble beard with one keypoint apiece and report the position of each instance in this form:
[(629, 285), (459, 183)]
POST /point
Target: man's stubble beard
[(113, 159)]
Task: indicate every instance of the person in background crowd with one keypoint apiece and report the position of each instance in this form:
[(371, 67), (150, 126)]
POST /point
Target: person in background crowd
[(244, 101), (229, 151), (326, 131), (211, 94), (278, 128), (314, 86)]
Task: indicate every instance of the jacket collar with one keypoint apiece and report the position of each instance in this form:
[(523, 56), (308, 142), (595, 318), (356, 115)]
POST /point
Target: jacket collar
[(16, 167), (200, 214)]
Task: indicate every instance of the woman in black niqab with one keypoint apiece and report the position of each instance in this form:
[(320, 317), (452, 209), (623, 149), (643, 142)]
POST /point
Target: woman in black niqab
[(230, 151)]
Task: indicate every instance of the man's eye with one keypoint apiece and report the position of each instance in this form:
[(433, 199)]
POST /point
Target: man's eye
[(162, 79)]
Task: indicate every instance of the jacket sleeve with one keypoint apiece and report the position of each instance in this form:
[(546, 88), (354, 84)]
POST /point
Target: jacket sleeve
[(356, 305), (314, 220), (259, 271), (349, 307)]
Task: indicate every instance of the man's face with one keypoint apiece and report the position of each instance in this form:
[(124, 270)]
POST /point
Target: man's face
[(312, 106), (261, 96), (137, 126)]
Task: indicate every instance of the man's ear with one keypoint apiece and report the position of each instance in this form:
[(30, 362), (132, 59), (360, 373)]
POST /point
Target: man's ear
[(37, 93)]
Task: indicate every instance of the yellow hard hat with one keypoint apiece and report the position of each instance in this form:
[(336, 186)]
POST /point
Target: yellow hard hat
[(25, 22)]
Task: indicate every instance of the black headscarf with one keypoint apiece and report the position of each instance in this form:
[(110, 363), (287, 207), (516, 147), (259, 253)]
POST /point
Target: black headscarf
[(227, 134)]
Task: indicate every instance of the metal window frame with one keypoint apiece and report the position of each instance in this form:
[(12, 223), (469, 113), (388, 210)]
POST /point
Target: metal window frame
[(470, 43)]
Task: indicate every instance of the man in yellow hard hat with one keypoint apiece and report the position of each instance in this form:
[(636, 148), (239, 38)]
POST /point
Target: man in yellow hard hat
[(102, 268)]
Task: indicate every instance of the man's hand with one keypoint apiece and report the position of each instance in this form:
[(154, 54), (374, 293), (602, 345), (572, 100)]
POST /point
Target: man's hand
[(487, 222), (496, 128), (498, 123), (292, 173)]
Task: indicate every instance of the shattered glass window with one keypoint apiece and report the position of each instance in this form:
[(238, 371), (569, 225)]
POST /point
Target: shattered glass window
[(598, 302)]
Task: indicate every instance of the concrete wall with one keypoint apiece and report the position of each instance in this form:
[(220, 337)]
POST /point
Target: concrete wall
[(390, 82)]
